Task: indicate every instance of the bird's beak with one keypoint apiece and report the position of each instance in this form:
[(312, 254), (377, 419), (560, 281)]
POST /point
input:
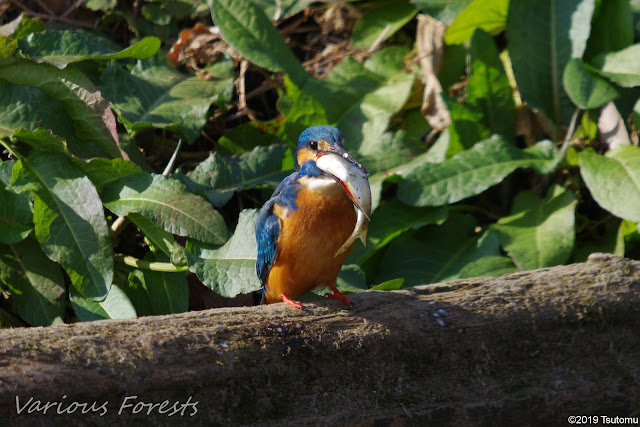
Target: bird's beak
[(338, 163)]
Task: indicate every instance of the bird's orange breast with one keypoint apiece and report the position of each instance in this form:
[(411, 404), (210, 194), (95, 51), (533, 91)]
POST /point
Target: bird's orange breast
[(309, 238)]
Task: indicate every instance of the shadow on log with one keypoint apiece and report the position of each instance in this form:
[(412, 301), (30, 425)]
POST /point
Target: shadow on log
[(526, 348)]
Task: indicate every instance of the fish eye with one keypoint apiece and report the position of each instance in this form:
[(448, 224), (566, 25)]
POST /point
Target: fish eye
[(313, 145)]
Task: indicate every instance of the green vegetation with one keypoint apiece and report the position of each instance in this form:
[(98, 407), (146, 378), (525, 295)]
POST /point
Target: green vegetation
[(124, 171)]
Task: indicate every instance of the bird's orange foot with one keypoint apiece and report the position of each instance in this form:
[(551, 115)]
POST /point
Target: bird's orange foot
[(336, 294), (293, 303)]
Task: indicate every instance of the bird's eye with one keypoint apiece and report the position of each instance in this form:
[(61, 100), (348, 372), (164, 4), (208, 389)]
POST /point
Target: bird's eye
[(313, 145)]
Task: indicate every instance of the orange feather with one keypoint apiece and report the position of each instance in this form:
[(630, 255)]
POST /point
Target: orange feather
[(308, 241)]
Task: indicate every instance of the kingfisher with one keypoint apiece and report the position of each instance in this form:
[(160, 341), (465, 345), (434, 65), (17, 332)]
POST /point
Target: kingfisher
[(307, 228)]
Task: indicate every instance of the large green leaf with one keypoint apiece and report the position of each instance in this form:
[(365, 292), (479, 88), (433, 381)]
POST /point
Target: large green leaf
[(586, 88), (167, 204), (470, 172), (82, 102), (380, 21), (489, 266), (220, 177), (68, 217), (16, 216), (436, 253), (231, 269), (156, 292), (543, 37), (444, 11), (34, 281), (159, 240), (539, 232), (115, 306), (153, 94), (245, 26), (30, 107), (390, 221), (614, 180), (488, 15), (621, 67), (489, 87), (60, 48), (608, 15)]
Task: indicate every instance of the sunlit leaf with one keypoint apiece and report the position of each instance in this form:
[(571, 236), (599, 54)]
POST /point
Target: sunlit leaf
[(153, 94), (82, 102), (539, 232), (380, 21), (167, 204), (60, 48), (470, 172), (540, 48), (231, 269), (488, 15), (614, 180)]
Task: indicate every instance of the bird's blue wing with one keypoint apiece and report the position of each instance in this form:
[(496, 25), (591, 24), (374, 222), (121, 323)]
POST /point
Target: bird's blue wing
[(267, 232)]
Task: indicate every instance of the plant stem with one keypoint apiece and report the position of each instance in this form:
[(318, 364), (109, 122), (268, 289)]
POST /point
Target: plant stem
[(165, 267)]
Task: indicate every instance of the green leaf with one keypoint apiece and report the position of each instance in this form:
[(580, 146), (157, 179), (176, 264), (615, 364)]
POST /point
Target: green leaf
[(614, 180), (159, 239), (444, 11), (103, 171), (389, 285), (586, 88), (29, 107), (220, 177), (153, 94), (490, 266), (69, 219), (82, 102), (16, 216), (489, 88), (115, 306), (103, 5), (167, 204), (35, 283), (436, 253), (21, 27), (351, 279), (59, 48), (281, 9), (467, 126), (390, 221), (470, 172), (245, 26), (166, 292), (610, 14), (380, 21), (231, 269), (621, 67), (539, 232), (488, 15), (543, 37)]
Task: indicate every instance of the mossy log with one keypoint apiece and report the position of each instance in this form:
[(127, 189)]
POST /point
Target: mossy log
[(527, 348)]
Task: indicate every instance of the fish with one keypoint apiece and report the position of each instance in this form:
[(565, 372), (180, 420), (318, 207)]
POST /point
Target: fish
[(352, 176)]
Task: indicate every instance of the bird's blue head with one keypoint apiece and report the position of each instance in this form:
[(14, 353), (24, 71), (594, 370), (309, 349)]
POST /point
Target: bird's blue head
[(316, 140)]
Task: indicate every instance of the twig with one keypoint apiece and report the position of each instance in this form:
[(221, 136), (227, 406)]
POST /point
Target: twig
[(118, 225), (383, 35), (172, 161), (73, 8), (165, 267), (568, 138)]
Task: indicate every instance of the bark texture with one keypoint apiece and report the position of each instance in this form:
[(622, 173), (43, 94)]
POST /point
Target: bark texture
[(526, 348)]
